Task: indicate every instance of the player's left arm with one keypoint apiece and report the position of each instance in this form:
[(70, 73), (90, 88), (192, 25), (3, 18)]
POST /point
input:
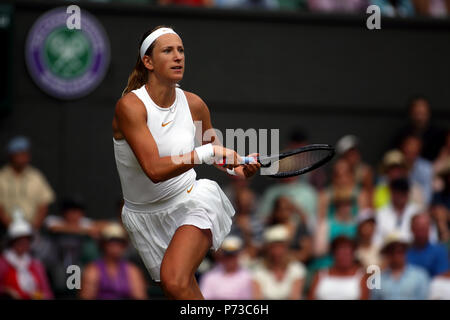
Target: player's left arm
[(200, 112)]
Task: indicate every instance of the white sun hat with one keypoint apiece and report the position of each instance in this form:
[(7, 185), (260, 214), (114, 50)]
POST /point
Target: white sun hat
[(19, 227), (277, 233)]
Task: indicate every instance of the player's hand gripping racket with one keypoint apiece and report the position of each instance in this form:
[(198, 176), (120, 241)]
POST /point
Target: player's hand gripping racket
[(294, 162)]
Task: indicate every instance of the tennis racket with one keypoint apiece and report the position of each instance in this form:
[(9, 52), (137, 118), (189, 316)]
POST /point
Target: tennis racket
[(294, 162)]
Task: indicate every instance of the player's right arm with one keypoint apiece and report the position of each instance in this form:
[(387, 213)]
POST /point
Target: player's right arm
[(130, 123)]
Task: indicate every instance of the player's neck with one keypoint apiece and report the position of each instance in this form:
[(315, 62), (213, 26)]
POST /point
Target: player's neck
[(161, 93)]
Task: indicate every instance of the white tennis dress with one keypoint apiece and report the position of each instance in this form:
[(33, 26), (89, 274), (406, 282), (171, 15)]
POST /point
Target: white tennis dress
[(154, 211)]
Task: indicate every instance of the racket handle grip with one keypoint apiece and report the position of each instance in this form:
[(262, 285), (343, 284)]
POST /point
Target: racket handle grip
[(247, 160)]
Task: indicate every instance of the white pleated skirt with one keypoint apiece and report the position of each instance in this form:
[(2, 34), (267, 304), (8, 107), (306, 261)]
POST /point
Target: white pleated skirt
[(151, 227)]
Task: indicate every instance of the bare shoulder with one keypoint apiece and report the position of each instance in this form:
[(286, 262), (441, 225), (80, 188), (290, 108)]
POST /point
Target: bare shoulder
[(130, 112), (129, 105), (194, 100), (196, 104)]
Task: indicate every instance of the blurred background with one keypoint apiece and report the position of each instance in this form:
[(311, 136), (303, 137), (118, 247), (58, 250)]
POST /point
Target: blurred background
[(309, 68)]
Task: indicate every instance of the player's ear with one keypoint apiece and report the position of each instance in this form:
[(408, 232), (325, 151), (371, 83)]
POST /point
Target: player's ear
[(148, 62)]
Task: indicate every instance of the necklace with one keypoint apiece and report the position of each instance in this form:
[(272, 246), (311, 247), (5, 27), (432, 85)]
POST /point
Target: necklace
[(172, 108)]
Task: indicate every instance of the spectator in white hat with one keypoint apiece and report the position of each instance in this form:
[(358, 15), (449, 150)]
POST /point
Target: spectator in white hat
[(278, 276), (347, 148), (228, 280), (367, 252), (400, 280), (21, 275), (23, 186), (394, 167)]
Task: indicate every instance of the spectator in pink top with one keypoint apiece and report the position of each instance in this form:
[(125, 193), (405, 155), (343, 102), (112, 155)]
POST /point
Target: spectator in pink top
[(228, 280)]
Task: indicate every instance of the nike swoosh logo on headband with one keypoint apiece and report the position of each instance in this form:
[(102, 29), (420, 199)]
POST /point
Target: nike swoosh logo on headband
[(190, 189), (165, 124)]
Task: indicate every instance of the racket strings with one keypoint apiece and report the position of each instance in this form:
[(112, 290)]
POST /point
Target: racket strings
[(299, 161)]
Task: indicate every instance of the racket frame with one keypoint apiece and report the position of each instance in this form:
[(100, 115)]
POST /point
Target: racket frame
[(286, 154)]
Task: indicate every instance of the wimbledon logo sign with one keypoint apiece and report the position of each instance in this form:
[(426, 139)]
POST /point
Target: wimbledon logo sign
[(67, 63)]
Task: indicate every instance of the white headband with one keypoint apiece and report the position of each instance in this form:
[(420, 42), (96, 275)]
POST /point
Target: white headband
[(152, 37)]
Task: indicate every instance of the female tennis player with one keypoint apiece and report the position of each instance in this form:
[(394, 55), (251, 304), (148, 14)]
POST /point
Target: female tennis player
[(172, 218)]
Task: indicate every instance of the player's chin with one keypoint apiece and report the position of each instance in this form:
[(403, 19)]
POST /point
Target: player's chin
[(176, 74)]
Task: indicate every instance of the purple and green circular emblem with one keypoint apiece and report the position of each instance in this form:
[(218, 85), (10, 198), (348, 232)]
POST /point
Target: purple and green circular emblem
[(67, 63)]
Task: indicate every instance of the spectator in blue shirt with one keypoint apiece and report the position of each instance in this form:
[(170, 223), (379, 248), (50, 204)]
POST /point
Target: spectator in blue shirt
[(420, 169), (431, 257), (400, 280)]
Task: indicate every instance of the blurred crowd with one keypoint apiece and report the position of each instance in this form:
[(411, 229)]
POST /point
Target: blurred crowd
[(355, 231), (390, 8), (348, 230), (39, 250)]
